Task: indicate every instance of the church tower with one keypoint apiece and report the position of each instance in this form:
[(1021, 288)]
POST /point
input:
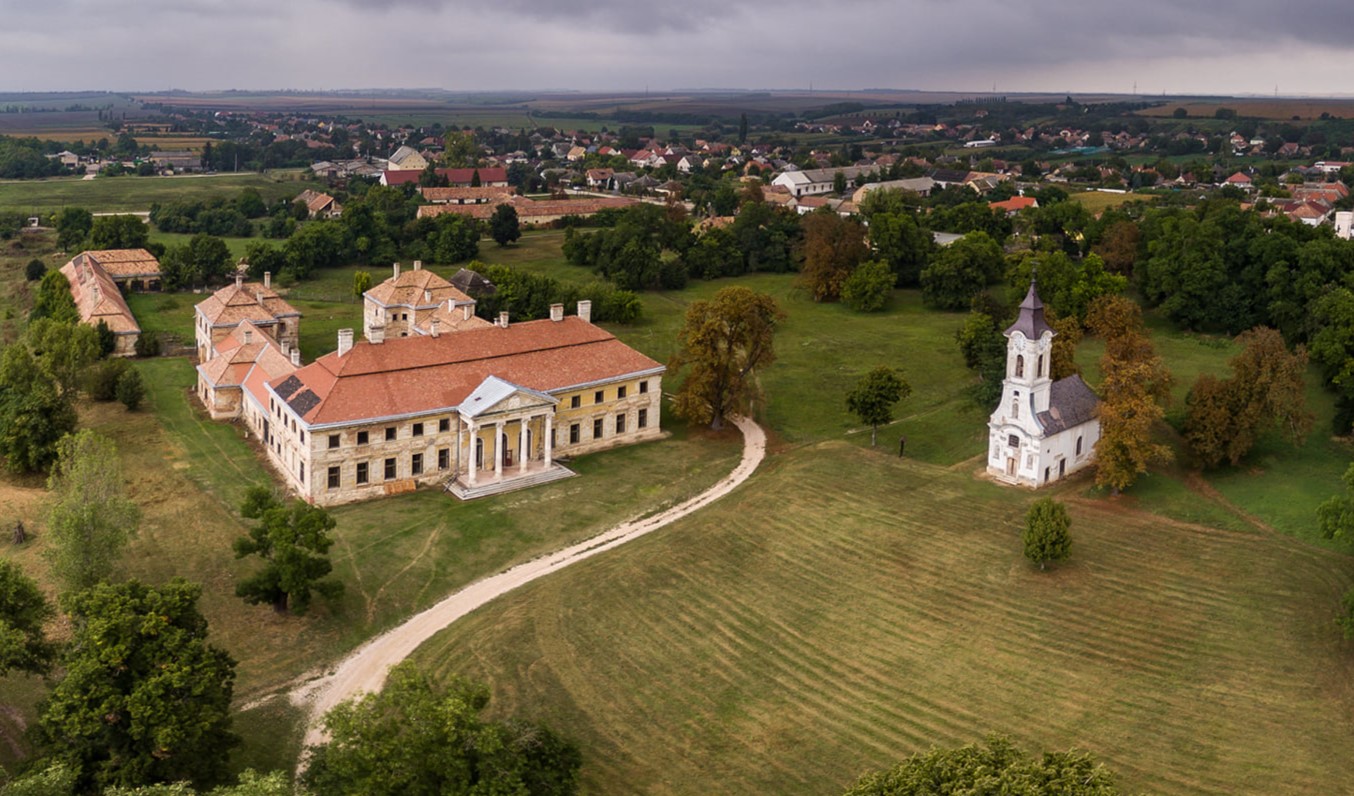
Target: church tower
[(1016, 433)]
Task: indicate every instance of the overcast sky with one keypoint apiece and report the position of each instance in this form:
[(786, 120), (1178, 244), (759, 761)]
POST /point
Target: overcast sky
[(1233, 47)]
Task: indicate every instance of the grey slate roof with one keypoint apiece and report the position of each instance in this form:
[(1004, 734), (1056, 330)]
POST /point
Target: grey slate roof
[(1070, 403), (1031, 321)]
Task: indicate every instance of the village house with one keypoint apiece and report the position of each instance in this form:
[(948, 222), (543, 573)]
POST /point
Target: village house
[(406, 158), (810, 182), (466, 196), (1042, 430), (488, 177), (258, 304), (99, 300), (319, 205), (129, 269)]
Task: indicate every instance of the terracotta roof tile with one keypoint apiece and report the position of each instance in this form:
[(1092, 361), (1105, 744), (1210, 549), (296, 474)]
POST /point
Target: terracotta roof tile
[(97, 296), (411, 375), (416, 287), (124, 263), (249, 301)]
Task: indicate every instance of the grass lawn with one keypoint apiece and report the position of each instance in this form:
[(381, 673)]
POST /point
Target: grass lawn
[(1099, 201), (846, 609), (236, 245), (127, 194)]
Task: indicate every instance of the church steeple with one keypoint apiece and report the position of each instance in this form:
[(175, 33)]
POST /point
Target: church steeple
[(1031, 321)]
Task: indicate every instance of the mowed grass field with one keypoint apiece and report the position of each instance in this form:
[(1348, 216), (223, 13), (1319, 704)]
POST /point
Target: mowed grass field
[(128, 194), (846, 609)]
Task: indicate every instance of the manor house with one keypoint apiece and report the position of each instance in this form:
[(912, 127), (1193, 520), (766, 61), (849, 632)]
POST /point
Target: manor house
[(435, 396), (1043, 430)]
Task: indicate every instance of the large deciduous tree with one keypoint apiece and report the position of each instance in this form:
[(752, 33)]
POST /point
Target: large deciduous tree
[(960, 270), (997, 767), (24, 610), (868, 287), (1045, 536), (145, 698), (504, 226), (54, 299), (1336, 518), (34, 413), (901, 241), (72, 225), (1136, 384), (293, 540), (874, 397), (1266, 391), (724, 340), (418, 738), (90, 518), (118, 232), (833, 247)]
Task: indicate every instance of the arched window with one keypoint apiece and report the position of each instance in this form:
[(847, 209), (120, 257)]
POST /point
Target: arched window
[(1015, 408), (1040, 371), (1078, 446), (1020, 366)]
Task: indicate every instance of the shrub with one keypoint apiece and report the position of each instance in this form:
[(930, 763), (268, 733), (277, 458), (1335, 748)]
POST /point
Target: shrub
[(130, 389), (35, 269), (101, 380)]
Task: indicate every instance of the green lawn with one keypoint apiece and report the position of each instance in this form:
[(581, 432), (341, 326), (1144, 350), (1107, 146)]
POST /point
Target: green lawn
[(236, 245), (846, 609), (127, 194)]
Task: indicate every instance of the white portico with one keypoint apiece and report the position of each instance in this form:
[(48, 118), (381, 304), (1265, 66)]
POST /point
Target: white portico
[(505, 440), (1042, 430)]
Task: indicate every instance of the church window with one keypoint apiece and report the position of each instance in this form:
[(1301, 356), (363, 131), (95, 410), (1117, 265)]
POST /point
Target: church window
[(1078, 446), (1040, 370), (1015, 408), (1013, 441), (1020, 366)]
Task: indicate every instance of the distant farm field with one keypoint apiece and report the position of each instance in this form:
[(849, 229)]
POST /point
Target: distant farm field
[(1278, 108), (1099, 201), (129, 194)]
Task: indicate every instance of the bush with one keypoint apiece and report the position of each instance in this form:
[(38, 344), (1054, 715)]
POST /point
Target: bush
[(147, 345), (101, 380), (35, 269), (130, 389)]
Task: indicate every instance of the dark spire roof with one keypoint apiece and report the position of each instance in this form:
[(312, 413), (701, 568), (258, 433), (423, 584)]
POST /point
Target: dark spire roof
[(1031, 321)]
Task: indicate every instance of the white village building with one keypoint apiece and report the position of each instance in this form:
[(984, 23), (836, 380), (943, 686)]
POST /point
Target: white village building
[(1043, 430)]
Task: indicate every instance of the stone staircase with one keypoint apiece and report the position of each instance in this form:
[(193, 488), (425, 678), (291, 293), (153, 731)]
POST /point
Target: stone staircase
[(485, 488)]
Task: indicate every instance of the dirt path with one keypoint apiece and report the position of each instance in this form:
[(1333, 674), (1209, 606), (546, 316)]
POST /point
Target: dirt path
[(365, 669)]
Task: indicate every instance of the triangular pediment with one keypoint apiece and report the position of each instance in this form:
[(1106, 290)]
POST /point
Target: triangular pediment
[(499, 396)]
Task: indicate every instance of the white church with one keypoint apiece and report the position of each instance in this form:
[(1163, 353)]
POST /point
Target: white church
[(1043, 430)]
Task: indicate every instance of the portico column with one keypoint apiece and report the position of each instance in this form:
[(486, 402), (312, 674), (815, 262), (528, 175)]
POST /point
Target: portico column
[(498, 449), (471, 456), (549, 440), (522, 444)]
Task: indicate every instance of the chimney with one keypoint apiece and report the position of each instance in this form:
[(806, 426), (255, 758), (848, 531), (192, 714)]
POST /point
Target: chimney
[(503, 319), (585, 310), (418, 265), (376, 334), (466, 311), (239, 279), (397, 270), (268, 279), (432, 326), (248, 336), (556, 312), (258, 296), (296, 357), (345, 341), (427, 296)]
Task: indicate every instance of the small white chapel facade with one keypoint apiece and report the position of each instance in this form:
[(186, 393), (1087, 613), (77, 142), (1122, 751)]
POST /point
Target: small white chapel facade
[(1042, 430)]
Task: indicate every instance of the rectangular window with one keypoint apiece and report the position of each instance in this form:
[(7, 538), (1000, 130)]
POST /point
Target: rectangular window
[(303, 437), (444, 424), (620, 423), (620, 392), (643, 420), (418, 429), (443, 458), (334, 477), (644, 386), (333, 441), (390, 469), (1013, 441), (597, 396), (416, 464), (597, 428), (390, 433), (302, 469), (362, 476), (362, 438), (575, 402), (573, 434)]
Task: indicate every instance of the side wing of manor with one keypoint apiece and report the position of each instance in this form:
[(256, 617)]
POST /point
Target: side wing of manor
[(432, 395)]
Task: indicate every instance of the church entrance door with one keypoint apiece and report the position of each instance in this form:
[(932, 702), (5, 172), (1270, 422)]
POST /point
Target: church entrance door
[(1010, 466)]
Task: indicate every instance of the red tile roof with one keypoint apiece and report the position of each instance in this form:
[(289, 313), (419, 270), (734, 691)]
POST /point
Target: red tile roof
[(412, 375), (488, 175), (97, 296), (125, 263)]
